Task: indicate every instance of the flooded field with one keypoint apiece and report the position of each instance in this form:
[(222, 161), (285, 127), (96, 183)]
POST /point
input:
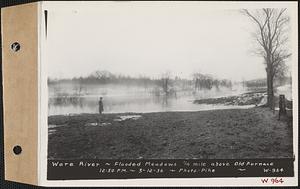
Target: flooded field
[(132, 99), (72, 99)]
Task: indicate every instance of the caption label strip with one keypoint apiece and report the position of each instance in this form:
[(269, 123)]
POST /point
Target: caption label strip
[(177, 168)]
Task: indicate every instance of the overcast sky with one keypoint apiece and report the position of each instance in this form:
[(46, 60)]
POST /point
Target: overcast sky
[(149, 39)]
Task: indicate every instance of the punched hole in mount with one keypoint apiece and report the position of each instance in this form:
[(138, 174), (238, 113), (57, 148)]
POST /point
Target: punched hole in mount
[(15, 46), (17, 150)]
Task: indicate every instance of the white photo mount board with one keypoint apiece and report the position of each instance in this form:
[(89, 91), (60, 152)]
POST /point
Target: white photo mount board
[(24, 89)]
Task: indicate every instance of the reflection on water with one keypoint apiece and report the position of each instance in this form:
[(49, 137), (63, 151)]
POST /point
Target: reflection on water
[(130, 103), (66, 99)]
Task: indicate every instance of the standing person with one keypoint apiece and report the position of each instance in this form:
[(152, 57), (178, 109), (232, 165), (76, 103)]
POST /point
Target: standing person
[(100, 105)]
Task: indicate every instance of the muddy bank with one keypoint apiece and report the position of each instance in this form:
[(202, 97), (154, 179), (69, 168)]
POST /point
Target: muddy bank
[(250, 98), (257, 98), (236, 133)]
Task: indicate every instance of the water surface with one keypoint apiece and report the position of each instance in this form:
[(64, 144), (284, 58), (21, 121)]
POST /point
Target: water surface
[(135, 100)]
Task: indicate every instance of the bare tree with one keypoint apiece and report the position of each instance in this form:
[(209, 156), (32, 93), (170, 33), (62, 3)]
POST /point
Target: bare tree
[(271, 36)]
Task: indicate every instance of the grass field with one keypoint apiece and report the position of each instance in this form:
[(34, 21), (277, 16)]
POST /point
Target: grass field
[(231, 133)]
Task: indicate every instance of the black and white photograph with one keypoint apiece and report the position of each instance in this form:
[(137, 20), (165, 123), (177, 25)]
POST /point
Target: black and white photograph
[(166, 80)]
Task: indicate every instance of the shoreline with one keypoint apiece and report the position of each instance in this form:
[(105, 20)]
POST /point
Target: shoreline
[(224, 107)]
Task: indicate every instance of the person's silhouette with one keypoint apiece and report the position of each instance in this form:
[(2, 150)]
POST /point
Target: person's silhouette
[(100, 105)]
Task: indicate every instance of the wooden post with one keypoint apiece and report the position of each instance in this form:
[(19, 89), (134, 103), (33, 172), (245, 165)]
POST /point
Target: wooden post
[(282, 106)]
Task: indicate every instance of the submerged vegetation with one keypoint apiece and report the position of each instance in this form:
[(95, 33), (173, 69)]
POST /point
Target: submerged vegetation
[(166, 84), (198, 80)]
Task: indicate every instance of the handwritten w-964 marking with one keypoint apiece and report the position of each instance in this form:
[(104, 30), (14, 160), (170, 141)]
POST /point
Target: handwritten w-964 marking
[(272, 180)]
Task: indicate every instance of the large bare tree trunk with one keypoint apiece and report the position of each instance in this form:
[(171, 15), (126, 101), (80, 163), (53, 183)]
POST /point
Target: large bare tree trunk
[(270, 90), (271, 95)]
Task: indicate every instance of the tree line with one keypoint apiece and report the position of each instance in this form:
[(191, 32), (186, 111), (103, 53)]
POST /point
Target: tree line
[(204, 81), (166, 81)]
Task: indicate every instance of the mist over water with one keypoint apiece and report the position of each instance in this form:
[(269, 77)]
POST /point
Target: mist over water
[(74, 99)]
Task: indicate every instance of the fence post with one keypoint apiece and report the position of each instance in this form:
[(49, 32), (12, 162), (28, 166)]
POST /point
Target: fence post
[(282, 106)]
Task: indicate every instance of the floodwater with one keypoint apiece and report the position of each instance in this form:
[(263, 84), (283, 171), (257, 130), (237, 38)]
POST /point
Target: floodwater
[(139, 102), (285, 90)]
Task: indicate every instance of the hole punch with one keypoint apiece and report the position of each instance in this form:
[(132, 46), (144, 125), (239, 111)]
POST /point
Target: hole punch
[(17, 150), (15, 46)]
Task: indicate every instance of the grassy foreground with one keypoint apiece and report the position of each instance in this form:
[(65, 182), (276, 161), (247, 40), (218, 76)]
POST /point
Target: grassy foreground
[(235, 133)]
